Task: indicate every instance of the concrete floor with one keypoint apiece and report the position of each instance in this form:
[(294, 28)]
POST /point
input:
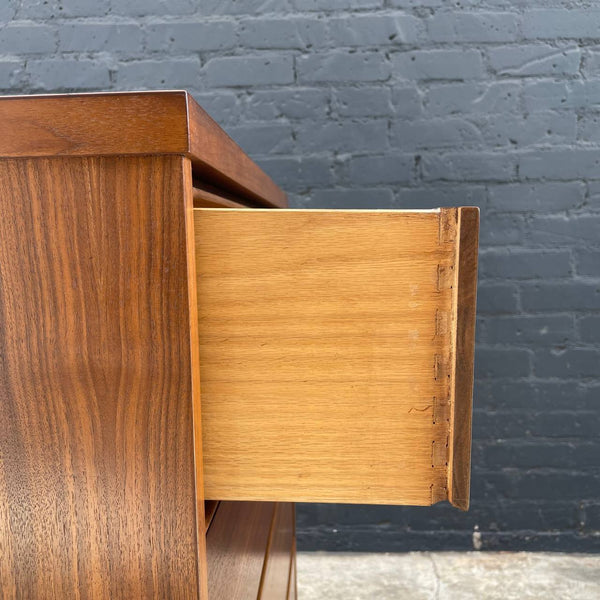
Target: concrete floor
[(448, 576)]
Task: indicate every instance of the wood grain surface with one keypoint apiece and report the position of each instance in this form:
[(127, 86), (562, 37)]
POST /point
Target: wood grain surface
[(459, 476), (293, 582), (276, 581), (125, 123), (210, 509), (326, 345), (236, 546), (218, 159), (98, 493), (205, 197)]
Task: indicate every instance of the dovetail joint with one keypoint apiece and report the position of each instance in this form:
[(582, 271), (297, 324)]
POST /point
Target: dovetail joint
[(445, 277), (447, 226)]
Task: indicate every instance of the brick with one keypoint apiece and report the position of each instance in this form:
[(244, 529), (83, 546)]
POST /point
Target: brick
[(561, 23), (334, 5), (191, 35), (528, 60), (440, 195), (518, 425), (541, 128), (568, 424), (434, 133), (27, 38), (68, 74), (568, 296), (374, 198), (559, 486), (223, 107), (241, 71), (286, 32), (503, 229), (564, 230), (83, 8), (538, 197), (295, 174), (512, 515), (151, 8), (568, 395), (100, 37), (573, 363), (593, 191), (32, 9), (294, 103), (591, 517), (588, 262), (591, 63), (572, 163), (525, 264), (473, 27), (541, 95), (342, 66), (588, 128), (438, 64), (535, 485), (538, 454), (530, 330), (502, 362), (497, 298), (460, 166), (381, 169), (11, 71), (505, 394), (148, 74), (263, 138), (343, 136), (363, 102), (472, 98), (374, 30), (416, 3), (590, 329), (406, 101)]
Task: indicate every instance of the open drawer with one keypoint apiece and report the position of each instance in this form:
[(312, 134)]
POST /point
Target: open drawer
[(336, 354)]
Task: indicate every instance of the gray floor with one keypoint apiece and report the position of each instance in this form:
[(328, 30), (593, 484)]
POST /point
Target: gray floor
[(448, 576)]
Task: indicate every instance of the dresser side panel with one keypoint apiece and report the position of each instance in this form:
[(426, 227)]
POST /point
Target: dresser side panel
[(97, 488)]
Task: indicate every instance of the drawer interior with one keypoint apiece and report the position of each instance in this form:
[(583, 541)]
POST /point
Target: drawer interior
[(336, 354)]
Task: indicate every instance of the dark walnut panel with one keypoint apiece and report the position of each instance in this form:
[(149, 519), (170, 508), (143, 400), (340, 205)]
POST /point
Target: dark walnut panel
[(97, 478), (133, 123)]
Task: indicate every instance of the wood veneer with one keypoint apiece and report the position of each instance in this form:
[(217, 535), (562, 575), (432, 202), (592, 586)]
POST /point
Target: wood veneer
[(275, 583), (328, 354), (236, 548), (123, 123), (98, 479)]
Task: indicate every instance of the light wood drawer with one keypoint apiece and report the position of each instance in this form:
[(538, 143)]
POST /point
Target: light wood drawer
[(336, 354)]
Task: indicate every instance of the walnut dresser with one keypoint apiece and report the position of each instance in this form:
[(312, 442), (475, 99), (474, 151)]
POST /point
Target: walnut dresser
[(182, 358)]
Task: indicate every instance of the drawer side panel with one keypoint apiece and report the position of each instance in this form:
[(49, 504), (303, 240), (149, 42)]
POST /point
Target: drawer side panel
[(326, 354)]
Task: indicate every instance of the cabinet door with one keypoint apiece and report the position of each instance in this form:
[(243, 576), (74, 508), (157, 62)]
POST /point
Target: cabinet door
[(336, 354)]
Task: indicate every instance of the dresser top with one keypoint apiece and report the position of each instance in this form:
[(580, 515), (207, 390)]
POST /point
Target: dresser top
[(129, 123)]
